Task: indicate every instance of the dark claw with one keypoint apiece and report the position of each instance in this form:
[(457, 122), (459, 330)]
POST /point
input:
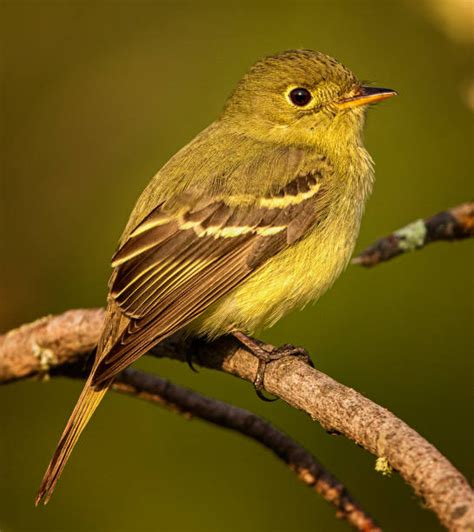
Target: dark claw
[(189, 362), (263, 397)]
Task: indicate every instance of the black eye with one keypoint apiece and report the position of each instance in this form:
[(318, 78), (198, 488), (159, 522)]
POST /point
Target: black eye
[(300, 96)]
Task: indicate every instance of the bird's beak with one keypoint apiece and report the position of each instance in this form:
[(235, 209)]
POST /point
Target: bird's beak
[(366, 95)]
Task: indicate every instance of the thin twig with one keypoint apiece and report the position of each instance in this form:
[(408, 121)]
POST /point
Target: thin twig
[(34, 348), (305, 466), (454, 224)]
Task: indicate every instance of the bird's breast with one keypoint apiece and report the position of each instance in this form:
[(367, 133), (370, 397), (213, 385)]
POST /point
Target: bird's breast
[(305, 269), (290, 280)]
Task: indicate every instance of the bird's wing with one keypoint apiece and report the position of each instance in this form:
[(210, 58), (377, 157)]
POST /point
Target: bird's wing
[(174, 265)]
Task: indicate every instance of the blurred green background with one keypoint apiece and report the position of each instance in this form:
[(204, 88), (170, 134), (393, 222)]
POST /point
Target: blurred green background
[(96, 96)]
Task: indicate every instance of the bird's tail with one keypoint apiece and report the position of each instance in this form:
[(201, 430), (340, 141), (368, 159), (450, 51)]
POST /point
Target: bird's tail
[(87, 403)]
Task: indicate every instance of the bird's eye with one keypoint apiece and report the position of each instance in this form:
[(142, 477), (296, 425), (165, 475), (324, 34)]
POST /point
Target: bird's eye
[(300, 96)]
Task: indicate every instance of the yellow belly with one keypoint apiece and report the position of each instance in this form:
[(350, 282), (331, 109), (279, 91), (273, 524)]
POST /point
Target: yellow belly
[(290, 280)]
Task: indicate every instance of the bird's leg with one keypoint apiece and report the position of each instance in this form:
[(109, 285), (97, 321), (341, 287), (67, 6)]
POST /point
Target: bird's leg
[(267, 353)]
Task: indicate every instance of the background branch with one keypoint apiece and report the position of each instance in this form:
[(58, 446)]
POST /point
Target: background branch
[(304, 465), (52, 341), (454, 224)]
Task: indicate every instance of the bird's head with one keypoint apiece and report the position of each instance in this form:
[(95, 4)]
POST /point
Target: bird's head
[(301, 97)]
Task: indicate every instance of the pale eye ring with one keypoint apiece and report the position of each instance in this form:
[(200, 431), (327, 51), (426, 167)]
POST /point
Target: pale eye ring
[(300, 96)]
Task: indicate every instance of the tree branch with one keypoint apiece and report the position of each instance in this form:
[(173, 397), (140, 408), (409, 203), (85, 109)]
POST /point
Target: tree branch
[(52, 341), (454, 224)]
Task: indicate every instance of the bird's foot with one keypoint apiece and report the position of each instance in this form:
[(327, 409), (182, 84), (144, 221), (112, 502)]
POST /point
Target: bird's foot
[(265, 354)]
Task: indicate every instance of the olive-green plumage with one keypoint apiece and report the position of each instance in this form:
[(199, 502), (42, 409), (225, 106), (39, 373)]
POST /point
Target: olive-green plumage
[(254, 217)]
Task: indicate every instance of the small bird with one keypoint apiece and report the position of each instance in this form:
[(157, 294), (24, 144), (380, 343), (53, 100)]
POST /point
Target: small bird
[(256, 216)]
